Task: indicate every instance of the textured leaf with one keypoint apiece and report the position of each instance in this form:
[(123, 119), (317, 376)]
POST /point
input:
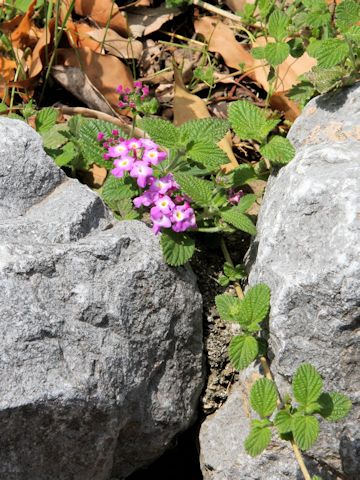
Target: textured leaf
[(239, 220), (243, 350), (354, 34), (329, 52), (200, 191), (161, 131), (334, 406), (227, 307), (276, 53), (257, 440), (278, 23), (347, 14), (242, 174), (263, 397), (258, 53), (209, 130), (255, 305), (325, 79), (65, 155), (318, 18), (246, 202), (283, 421), (116, 189), (265, 7), (177, 248), (307, 384), (305, 431), (91, 149), (55, 137), (45, 119), (208, 154), (249, 121), (278, 150), (302, 92)]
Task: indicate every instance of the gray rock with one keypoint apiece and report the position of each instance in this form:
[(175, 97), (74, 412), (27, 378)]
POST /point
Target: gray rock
[(101, 342), (308, 251)]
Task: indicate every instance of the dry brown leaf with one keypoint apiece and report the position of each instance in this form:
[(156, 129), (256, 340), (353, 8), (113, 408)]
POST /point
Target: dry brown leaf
[(21, 35), (237, 5), (221, 39), (95, 176), (104, 72), (7, 72), (38, 56), (189, 107), (143, 21), (116, 45), (100, 11), (84, 38), (10, 25)]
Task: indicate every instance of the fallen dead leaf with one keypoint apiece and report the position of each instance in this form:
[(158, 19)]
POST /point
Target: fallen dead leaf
[(104, 72), (237, 5), (84, 39), (7, 72), (94, 177), (143, 21), (20, 36), (100, 11), (221, 39), (115, 44), (189, 107)]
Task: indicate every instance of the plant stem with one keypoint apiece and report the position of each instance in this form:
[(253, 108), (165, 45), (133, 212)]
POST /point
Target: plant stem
[(209, 229), (267, 372)]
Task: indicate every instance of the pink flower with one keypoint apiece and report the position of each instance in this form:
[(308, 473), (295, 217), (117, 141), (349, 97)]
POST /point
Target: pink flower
[(147, 143), (100, 136), (138, 84), (146, 199), (165, 204), (153, 156), (159, 220), (235, 197), (118, 150), (133, 144), (145, 92), (122, 165), (141, 172), (164, 184), (119, 89), (183, 218)]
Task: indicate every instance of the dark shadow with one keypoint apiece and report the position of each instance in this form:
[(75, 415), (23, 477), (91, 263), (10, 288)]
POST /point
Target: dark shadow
[(333, 101)]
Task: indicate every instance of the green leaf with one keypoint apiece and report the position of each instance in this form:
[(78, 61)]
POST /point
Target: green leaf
[(249, 121), (302, 92), (278, 150), (235, 273), (328, 52), (177, 248), (325, 79), (316, 477), (318, 18), (161, 131), (242, 174), (283, 421), (3, 107), (347, 14), (296, 47), (258, 52), (305, 430), (239, 220), (255, 305), (91, 149), (55, 137), (209, 130), (276, 53), (307, 384), (263, 397), (65, 155), (354, 34), (257, 440), (246, 202), (116, 189), (74, 125), (265, 7), (278, 23), (228, 307), (208, 154), (243, 350), (200, 191), (46, 119), (223, 281), (334, 406)]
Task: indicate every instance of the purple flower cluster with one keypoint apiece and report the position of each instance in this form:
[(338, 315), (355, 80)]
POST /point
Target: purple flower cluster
[(137, 157), (128, 97)]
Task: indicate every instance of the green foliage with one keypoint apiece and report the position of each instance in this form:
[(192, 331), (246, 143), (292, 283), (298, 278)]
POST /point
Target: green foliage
[(276, 53), (160, 131), (115, 190), (278, 23), (177, 248), (228, 307), (305, 430), (242, 222), (278, 150), (258, 438), (263, 397), (250, 121), (307, 384), (347, 14), (283, 421), (46, 119), (328, 52), (334, 406), (255, 305), (208, 130), (232, 274), (200, 191), (243, 350)]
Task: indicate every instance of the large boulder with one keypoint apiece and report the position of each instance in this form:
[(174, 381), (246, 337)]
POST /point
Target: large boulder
[(308, 251), (101, 342)]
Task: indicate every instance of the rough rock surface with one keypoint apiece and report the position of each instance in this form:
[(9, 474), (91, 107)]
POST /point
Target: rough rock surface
[(308, 251), (101, 343)]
